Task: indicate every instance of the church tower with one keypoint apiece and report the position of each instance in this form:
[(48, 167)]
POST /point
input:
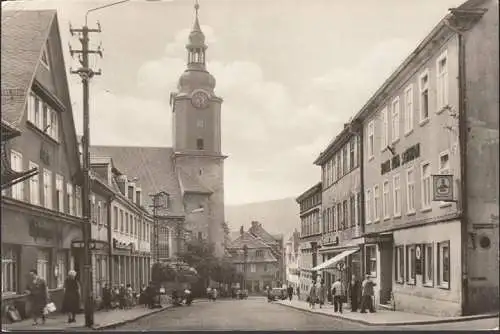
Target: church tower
[(197, 144)]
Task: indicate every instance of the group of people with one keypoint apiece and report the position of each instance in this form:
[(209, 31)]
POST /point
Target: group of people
[(212, 294), (361, 294), (124, 296)]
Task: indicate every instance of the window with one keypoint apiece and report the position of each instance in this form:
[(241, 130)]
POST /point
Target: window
[(444, 264), (259, 253), (253, 267), (47, 188), (340, 222), (99, 213), (345, 160), (376, 203), (444, 163), (410, 191), (424, 96), (200, 123), (385, 129), (358, 208), (371, 260), (339, 166), (335, 176), (408, 109), (328, 168), (59, 193), (199, 144), (426, 186), (115, 218), (34, 186), (371, 139), (428, 260), (316, 223), (352, 157), (344, 215), (442, 81), (400, 264), (352, 214), (32, 105), (368, 212), (78, 201), (61, 268), (16, 163), (333, 226), (396, 194), (395, 119), (71, 202), (126, 222), (410, 264), (385, 200), (54, 125), (9, 269), (122, 227), (43, 264)]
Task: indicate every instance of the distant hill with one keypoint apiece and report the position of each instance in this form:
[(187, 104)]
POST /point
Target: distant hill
[(277, 217)]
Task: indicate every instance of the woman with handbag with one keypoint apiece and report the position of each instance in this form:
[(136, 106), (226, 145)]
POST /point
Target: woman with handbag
[(71, 302), (38, 296)]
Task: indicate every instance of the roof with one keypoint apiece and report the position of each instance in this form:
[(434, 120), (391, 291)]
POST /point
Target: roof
[(249, 240), (259, 231), (316, 188), (190, 184), (154, 168), (24, 34)]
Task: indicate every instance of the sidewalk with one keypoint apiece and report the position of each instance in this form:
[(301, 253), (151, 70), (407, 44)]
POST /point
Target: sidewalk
[(381, 317), (102, 320)]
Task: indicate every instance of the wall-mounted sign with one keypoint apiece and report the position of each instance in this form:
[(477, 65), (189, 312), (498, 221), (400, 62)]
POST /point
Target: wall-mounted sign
[(442, 188), (397, 160), (340, 266), (40, 230), (418, 260)]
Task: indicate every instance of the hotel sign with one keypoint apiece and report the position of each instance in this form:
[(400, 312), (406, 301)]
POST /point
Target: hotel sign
[(442, 188)]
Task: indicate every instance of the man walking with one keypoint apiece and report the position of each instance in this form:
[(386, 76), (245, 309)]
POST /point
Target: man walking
[(337, 293), (290, 292), (367, 295), (355, 292)]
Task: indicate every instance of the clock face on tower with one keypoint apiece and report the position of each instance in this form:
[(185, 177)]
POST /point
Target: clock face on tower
[(199, 99)]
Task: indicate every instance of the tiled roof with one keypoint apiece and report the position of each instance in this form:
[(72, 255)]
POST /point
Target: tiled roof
[(260, 232), (154, 168), (249, 240), (24, 34), (191, 184)]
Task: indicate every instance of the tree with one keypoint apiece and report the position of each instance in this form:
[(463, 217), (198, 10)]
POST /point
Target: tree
[(199, 254)]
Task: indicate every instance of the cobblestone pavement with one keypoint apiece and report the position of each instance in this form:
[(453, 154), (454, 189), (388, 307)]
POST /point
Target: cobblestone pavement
[(253, 313)]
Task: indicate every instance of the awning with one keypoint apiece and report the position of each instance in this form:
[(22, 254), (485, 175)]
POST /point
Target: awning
[(335, 259)]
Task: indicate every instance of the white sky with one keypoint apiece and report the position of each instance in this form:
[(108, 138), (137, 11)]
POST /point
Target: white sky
[(291, 72)]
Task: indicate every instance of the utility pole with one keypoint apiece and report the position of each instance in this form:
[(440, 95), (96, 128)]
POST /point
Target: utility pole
[(86, 74)]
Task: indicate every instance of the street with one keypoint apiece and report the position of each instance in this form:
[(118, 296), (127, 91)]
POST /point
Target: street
[(251, 314)]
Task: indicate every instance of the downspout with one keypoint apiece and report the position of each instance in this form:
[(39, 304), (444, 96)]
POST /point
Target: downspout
[(362, 197), (462, 138), (110, 240)]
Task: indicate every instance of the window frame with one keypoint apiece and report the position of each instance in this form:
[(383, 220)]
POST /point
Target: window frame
[(440, 105), (399, 270), (368, 206), (396, 195), (71, 198), (443, 171), (409, 110), (17, 190), (376, 202), (386, 201), (395, 120), (370, 259), (10, 265), (34, 179), (371, 139), (423, 179), (411, 277), (47, 189), (440, 283), (385, 137), (60, 192), (412, 210), (426, 280), (421, 89)]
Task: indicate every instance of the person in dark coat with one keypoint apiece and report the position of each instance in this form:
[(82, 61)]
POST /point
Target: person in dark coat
[(122, 296), (106, 297), (38, 296), (355, 292), (290, 292), (71, 301)]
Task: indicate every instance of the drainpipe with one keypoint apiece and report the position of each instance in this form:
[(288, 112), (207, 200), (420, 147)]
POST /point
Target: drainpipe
[(362, 197), (462, 138), (110, 240)]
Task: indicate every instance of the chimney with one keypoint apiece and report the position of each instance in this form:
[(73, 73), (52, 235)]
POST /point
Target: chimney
[(122, 184), (255, 223), (241, 230), (138, 196)]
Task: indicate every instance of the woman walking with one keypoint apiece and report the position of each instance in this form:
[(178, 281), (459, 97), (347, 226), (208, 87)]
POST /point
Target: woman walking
[(38, 296), (313, 296), (71, 301), (322, 294)]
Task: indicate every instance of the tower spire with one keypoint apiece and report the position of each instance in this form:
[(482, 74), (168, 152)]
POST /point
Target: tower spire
[(196, 26), (196, 44)]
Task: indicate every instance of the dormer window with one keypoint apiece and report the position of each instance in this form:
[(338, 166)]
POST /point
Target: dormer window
[(44, 59)]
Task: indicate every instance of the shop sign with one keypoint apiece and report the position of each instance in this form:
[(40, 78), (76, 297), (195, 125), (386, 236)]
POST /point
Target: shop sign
[(418, 260), (41, 230), (378, 239), (442, 188), (340, 266)]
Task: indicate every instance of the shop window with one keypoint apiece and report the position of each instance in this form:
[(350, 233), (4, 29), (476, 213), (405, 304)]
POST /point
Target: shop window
[(43, 264), (428, 265), (400, 264), (444, 264), (371, 260), (410, 264), (9, 269), (61, 268)]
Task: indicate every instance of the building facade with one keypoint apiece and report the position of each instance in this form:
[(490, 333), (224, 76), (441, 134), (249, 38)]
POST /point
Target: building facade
[(255, 259), (292, 256), (191, 172), (422, 252), (40, 215), (340, 255), (310, 235)]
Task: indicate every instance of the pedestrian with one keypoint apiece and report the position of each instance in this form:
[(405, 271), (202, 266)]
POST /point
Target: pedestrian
[(106, 297), (355, 292), (367, 295), (298, 292), (338, 295), (290, 292), (214, 294), (313, 296), (150, 295), (72, 293), (38, 296), (322, 294), (209, 293), (122, 296), (129, 296)]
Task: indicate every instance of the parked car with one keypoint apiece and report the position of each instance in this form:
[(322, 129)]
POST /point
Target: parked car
[(278, 293)]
